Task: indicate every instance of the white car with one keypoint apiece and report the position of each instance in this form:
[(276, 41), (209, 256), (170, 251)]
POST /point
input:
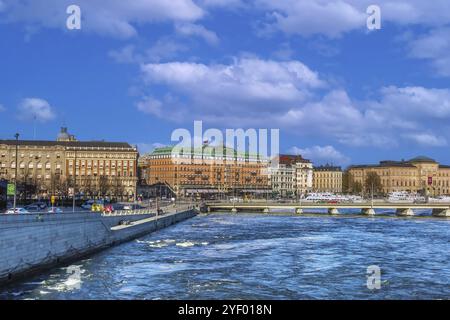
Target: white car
[(18, 211)]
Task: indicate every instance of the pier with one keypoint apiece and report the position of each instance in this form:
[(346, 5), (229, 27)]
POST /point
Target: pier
[(367, 208)]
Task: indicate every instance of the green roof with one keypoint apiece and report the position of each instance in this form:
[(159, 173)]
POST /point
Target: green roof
[(204, 150)]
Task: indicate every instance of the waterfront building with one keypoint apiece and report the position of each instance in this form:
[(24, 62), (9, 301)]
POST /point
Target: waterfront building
[(327, 179), (304, 176), (205, 172), (291, 176), (93, 168), (418, 175)]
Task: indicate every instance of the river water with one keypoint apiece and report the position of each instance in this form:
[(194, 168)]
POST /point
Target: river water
[(254, 256)]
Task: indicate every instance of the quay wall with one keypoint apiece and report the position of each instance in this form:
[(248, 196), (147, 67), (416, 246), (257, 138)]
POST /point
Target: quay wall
[(31, 243)]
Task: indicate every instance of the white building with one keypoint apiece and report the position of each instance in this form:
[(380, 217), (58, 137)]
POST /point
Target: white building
[(292, 176)]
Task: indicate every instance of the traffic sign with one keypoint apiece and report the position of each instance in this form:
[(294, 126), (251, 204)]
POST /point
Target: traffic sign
[(11, 189)]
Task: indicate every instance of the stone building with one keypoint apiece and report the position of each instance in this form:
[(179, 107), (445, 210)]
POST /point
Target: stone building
[(418, 175), (327, 179), (93, 168), (205, 172), (291, 176)]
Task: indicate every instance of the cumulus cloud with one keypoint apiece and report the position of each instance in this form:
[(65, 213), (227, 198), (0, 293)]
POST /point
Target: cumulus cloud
[(116, 18), (251, 92), (336, 17), (151, 106), (427, 140), (191, 29), (322, 155), (434, 47), (163, 49), (35, 108)]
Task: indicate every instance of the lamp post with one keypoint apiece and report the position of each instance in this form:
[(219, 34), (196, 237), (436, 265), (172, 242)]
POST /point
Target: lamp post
[(15, 175), (74, 180)]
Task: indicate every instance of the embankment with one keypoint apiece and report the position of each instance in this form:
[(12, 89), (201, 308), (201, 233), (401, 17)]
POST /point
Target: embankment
[(31, 243)]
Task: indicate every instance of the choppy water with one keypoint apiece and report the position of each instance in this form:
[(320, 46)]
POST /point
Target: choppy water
[(226, 256)]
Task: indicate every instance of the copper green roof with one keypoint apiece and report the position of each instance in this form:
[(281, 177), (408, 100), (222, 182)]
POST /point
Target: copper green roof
[(204, 150)]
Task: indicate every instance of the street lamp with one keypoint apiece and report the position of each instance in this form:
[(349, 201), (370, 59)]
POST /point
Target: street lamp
[(15, 175), (74, 180)]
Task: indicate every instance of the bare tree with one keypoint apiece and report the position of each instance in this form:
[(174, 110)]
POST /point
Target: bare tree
[(103, 185)]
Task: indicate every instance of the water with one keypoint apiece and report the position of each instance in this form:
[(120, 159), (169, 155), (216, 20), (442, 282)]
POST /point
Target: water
[(224, 256)]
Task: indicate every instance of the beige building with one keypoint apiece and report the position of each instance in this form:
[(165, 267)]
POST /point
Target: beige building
[(93, 168), (327, 179), (420, 174)]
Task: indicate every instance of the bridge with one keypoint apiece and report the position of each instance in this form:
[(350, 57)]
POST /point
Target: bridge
[(367, 208)]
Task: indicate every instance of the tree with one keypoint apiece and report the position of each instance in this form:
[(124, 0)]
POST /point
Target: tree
[(103, 185), (357, 187), (347, 182), (373, 183), (119, 189)]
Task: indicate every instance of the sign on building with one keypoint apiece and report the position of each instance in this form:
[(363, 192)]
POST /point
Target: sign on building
[(430, 181)]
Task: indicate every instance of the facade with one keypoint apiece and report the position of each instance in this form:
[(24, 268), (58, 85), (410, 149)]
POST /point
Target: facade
[(418, 175), (93, 168), (292, 176), (207, 171), (327, 179), (304, 176)]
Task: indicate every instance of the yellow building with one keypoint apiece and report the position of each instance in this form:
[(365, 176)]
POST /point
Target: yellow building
[(421, 174), (93, 168), (327, 179)]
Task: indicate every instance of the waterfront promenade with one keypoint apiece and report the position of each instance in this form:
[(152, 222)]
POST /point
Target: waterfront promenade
[(31, 243)]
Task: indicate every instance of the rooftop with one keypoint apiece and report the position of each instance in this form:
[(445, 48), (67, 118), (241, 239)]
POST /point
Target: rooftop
[(88, 144), (205, 150)]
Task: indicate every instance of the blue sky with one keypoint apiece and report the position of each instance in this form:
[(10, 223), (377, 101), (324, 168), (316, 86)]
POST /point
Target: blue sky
[(137, 70)]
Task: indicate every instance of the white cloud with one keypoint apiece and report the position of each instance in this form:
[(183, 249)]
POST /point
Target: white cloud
[(35, 108), (2, 108), (322, 155), (114, 18), (163, 49), (251, 92), (151, 106), (191, 29), (435, 47), (336, 17), (245, 80), (427, 140)]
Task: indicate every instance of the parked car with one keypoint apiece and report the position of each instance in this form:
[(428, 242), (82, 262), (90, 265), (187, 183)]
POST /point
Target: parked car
[(55, 210), (18, 211), (97, 207), (88, 204), (40, 204), (108, 208), (33, 208)]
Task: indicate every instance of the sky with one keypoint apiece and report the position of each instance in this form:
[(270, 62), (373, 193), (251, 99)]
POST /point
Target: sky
[(137, 70)]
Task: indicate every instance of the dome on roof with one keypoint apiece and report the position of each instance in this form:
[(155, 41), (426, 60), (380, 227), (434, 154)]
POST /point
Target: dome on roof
[(422, 159), (64, 135)]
